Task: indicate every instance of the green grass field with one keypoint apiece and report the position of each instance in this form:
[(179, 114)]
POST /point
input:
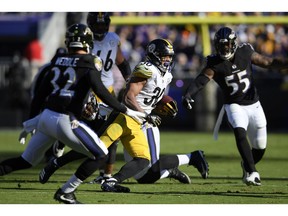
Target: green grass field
[(224, 185)]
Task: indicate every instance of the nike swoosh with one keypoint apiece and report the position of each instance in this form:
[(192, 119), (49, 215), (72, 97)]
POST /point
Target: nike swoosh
[(62, 197)]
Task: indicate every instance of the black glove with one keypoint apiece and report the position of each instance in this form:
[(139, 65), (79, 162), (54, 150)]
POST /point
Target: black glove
[(171, 108), (155, 120), (187, 102)]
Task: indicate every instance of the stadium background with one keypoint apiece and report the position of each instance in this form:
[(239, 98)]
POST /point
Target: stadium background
[(33, 39)]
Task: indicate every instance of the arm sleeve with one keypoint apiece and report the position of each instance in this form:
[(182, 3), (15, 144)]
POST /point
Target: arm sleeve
[(101, 91), (196, 85), (38, 101), (125, 69)]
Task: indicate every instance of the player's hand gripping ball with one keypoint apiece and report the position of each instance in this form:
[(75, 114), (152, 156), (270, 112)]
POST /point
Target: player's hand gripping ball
[(167, 106)]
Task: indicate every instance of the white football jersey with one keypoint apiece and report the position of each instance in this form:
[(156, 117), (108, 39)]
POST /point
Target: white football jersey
[(107, 51), (155, 87)]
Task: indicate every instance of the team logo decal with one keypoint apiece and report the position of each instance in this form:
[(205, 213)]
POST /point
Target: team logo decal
[(98, 63), (151, 48), (113, 43)]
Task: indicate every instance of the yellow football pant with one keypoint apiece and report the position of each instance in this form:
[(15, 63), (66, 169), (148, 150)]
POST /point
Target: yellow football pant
[(131, 135)]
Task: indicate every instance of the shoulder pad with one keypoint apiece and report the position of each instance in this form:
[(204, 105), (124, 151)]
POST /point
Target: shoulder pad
[(112, 37), (212, 60), (142, 70), (246, 46)]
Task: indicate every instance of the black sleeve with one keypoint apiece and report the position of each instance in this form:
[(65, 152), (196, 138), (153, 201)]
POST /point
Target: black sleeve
[(196, 85), (40, 96), (101, 91), (38, 79), (125, 69)]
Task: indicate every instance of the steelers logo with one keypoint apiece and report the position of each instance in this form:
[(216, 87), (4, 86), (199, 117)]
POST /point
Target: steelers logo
[(151, 48)]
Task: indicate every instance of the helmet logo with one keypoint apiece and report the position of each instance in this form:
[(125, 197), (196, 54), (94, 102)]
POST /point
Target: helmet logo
[(100, 17), (152, 48), (232, 35)]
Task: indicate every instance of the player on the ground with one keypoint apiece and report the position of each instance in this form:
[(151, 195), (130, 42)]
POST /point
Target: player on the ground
[(231, 68)]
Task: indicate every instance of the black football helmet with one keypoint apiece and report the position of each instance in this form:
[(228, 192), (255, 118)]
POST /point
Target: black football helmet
[(99, 23), (225, 42), (157, 49), (79, 36)]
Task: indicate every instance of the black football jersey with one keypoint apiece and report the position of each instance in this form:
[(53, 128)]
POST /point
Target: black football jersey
[(235, 77), (67, 83)]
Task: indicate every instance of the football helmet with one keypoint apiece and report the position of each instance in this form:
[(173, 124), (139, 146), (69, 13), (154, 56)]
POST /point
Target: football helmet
[(225, 42), (157, 50), (79, 36), (99, 23)]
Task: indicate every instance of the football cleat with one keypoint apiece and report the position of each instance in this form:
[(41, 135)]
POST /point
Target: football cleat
[(198, 161), (47, 171), (67, 198), (111, 185), (182, 177), (253, 179)]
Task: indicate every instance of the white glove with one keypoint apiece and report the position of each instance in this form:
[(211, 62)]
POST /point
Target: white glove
[(187, 102), (22, 137), (31, 124), (136, 115)]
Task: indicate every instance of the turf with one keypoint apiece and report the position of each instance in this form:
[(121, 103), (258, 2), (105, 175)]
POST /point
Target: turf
[(224, 185)]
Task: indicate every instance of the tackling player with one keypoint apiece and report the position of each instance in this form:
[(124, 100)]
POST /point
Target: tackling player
[(107, 46), (231, 68)]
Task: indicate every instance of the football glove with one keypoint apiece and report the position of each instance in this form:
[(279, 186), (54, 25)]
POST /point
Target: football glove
[(171, 108), (155, 120), (23, 136), (187, 102)]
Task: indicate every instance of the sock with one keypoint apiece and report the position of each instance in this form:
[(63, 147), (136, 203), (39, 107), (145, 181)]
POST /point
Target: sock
[(257, 154), (164, 174), (71, 185), (184, 159)]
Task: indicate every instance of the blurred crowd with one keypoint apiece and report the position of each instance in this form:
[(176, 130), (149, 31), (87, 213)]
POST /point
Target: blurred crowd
[(268, 39)]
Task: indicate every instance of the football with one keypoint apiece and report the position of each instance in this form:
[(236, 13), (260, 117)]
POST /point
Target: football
[(165, 99), (167, 106)]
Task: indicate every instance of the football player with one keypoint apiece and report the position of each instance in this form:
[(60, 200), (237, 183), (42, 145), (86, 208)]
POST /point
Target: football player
[(231, 68), (145, 89), (108, 47), (64, 90)]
